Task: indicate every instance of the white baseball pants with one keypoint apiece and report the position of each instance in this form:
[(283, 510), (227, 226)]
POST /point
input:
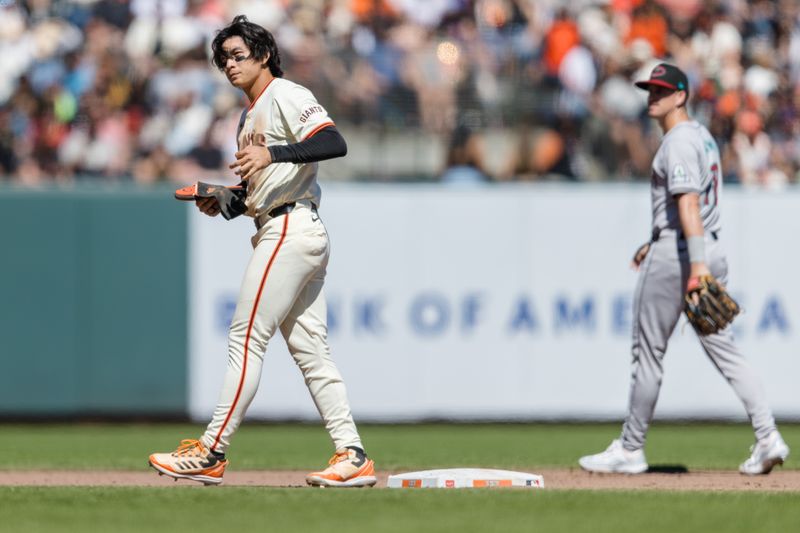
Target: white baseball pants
[(282, 288)]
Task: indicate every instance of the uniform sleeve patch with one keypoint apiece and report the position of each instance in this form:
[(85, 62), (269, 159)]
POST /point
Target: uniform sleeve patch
[(679, 174)]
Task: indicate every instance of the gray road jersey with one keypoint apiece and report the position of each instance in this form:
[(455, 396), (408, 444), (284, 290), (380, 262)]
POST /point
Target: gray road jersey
[(687, 161)]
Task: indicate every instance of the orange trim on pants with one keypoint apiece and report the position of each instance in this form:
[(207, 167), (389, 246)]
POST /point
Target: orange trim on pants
[(250, 329)]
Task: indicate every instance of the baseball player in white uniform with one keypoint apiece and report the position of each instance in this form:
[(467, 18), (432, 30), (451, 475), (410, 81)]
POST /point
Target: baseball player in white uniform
[(686, 187), (282, 135)]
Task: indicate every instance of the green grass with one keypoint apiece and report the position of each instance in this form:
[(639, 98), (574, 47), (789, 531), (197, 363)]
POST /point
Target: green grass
[(386, 511), (189, 507), (126, 447)]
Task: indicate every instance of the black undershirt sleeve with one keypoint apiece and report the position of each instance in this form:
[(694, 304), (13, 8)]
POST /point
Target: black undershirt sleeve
[(327, 143)]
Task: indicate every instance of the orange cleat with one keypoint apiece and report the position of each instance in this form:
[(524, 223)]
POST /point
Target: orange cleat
[(348, 468), (192, 461)]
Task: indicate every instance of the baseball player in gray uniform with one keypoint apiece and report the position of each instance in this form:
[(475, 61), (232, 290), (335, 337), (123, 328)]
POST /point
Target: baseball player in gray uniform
[(282, 135), (686, 188)]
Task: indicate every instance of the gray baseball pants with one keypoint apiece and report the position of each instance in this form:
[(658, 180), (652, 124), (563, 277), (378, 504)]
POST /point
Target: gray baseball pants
[(657, 306)]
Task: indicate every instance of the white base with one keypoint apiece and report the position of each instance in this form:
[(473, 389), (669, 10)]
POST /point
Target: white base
[(462, 478)]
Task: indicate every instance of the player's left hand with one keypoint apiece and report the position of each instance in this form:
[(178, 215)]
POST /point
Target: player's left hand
[(697, 270), (708, 306), (250, 160), (209, 206)]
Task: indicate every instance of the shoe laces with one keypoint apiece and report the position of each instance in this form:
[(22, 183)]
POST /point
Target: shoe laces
[(338, 457), (189, 447)]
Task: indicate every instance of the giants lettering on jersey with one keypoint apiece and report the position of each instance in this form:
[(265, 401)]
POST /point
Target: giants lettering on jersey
[(310, 111), (254, 139)]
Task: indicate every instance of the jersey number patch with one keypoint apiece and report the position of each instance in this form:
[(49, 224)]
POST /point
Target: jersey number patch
[(710, 194)]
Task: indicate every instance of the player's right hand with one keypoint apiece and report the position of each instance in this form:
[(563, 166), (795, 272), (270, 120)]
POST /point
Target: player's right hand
[(639, 256), (209, 206)]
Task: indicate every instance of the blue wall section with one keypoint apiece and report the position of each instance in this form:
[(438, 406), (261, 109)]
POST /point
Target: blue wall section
[(92, 302)]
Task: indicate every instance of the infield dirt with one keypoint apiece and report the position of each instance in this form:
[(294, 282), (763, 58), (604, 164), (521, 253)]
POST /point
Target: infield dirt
[(780, 480)]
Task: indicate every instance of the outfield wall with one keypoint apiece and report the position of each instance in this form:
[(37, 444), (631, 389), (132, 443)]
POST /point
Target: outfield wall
[(501, 302), (498, 302), (92, 302)]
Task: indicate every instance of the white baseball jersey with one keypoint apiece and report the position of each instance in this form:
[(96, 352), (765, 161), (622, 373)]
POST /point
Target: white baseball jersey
[(282, 288), (284, 113), (687, 161)]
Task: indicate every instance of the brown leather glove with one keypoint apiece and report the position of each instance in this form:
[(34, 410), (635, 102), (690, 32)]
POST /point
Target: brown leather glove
[(708, 306)]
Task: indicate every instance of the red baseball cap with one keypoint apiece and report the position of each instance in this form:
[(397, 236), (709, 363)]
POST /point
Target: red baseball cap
[(666, 75)]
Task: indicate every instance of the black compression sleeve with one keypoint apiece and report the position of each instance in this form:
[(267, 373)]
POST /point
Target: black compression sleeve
[(327, 143)]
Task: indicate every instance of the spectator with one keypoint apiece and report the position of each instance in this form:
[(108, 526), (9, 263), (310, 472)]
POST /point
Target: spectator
[(465, 163), (542, 153), (110, 90), (753, 150), (649, 25), (561, 37)]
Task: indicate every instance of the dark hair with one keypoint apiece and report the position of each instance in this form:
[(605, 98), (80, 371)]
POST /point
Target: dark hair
[(260, 42)]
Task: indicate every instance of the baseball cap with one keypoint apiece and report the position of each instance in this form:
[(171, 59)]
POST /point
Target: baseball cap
[(666, 75)]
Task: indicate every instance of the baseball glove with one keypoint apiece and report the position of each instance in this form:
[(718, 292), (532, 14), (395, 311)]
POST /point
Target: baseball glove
[(230, 198), (708, 306)]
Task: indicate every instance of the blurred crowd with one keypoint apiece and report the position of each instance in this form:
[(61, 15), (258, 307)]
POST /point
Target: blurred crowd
[(124, 90)]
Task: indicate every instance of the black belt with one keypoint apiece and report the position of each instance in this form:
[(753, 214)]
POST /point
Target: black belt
[(657, 233), (287, 208), (282, 210)]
